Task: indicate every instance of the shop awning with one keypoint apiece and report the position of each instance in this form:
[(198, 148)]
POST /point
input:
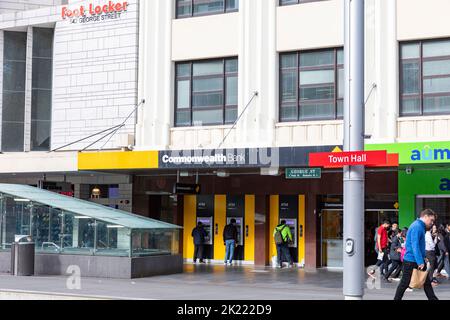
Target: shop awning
[(83, 208)]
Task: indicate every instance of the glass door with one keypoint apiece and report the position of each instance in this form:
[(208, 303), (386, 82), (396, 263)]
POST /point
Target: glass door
[(332, 233), (372, 220)]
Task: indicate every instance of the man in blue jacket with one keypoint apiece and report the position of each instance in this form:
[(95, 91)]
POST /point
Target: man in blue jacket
[(415, 254)]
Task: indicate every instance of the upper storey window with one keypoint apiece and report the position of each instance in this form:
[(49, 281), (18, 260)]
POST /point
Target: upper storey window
[(425, 78), (195, 8), (206, 92), (312, 85), (288, 2)]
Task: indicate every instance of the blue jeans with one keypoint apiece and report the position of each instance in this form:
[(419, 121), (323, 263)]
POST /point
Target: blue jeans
[(230, 244), (283, 250)]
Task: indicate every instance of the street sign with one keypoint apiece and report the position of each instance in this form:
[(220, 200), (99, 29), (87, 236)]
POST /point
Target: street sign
[(185, 188), (303, 173), (342, 159)]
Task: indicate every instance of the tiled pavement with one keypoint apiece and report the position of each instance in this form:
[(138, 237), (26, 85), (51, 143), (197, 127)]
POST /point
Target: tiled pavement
[(206, 282)]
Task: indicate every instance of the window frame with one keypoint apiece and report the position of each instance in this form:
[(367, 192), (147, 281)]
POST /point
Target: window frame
[(336, 68), (192, 15), (297, 2), (5, 123), (224, 106), (421, 94), (35, 122)]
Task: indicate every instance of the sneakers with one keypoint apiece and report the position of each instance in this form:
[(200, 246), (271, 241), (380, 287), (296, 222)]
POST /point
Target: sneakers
[(409, 290), (225, 263), (395, 279)]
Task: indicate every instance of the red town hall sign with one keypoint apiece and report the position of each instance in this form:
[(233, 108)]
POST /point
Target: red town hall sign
[(341, 159)]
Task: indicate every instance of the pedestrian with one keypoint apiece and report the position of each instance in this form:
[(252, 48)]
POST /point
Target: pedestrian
[(393, 232), (199, 235), (230, 234), (430, 252), (415, 254), (382, 249), (282, 235), (395, 255), (444, 249)]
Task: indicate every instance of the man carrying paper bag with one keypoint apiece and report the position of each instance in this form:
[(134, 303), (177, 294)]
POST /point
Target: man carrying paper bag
[(414, 265)]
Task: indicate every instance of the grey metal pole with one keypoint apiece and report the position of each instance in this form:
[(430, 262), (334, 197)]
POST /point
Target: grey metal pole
[(354, 141)]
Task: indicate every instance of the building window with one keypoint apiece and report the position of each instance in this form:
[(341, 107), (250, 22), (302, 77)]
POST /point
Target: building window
[(13, 110), (41, 101), (312, 85), (206, 92), (194, 8), (425, 78), (289, 2)]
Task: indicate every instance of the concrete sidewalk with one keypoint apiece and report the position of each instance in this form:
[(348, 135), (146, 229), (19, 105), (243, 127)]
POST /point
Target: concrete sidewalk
[(206, 282)]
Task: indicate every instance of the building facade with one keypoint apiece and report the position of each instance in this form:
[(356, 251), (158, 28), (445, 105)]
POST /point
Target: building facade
[(138, 96)]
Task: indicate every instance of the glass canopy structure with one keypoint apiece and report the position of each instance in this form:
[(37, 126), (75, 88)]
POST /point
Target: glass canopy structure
[(64, 225)]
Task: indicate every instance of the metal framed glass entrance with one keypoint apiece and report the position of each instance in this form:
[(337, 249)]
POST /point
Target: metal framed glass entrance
[(64, 225), (331, 235)]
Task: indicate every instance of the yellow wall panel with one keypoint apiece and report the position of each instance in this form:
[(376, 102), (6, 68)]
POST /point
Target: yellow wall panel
[(249, 244), (301, 222), (190, 219), (274, 214), (220, 220), (118, 160)]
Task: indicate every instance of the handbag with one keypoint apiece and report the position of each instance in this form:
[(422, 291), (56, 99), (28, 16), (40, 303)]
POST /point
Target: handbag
[(402, 254), (418, 279)]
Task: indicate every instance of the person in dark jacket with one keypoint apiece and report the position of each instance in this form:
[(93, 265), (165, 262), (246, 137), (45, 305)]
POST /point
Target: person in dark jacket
[(444, 249), (393, 231), (230, 237), (396, 249), (199, 235)]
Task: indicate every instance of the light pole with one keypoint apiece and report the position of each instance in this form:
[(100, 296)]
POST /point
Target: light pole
[(354, 141)]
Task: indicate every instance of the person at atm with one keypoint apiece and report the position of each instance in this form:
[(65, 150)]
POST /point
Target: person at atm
[(282, 235), (199, 235), (230, 237)]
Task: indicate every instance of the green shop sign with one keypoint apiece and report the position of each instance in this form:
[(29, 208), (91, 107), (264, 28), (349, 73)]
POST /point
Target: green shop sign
[(303, 173), (417, 153)]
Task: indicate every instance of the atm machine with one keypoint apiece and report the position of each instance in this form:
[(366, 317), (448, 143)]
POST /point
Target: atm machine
[(208, 226), (292, 224), (239, 250)]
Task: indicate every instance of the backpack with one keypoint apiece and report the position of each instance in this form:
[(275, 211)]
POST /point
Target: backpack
[(278, 236)]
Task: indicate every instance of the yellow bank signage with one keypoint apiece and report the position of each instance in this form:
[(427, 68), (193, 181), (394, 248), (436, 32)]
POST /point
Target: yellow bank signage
[(88, 161)]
